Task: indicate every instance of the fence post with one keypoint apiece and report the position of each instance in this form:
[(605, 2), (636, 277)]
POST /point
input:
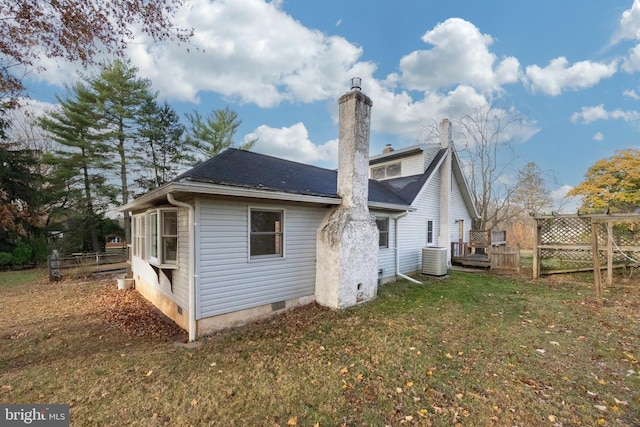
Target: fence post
[(609, 227), (596, 261), (536, 250), (54, 266)]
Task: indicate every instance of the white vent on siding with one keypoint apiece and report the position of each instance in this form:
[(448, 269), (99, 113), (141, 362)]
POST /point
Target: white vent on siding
[(434, 261)]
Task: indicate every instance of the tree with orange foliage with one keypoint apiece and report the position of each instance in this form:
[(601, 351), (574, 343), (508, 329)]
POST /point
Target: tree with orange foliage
[(611, 185)]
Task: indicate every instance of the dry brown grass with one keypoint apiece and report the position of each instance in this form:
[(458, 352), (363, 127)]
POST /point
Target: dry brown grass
[(473, 350)]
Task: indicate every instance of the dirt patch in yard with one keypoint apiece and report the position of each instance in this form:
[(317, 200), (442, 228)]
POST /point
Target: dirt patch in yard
[(128, 311)]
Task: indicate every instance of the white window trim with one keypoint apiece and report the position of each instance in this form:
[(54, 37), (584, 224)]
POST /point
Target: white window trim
[(271, 257), (433, 232), (386, 167), (157, 260), (139, 235), (387, 219)]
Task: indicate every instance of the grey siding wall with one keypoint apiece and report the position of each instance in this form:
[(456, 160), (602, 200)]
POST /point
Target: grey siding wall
[(229, 281), (459, 211), (176, 289), (430, 151), (413, 228), (387, 256), (181, 275)]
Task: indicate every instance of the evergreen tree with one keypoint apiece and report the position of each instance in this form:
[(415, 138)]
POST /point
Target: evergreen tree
[(119, 96), (214, 133), (161, 144), (79, 129)]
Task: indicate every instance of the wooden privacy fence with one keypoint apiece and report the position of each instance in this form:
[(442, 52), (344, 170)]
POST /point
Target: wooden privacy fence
[(85, 265), (567, 243), (505, 258)]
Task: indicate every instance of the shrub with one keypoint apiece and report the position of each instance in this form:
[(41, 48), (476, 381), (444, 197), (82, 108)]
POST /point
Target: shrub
[(22, 255), (6, 259)]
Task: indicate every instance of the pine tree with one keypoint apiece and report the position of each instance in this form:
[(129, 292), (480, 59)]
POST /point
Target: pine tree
[(79, 129), (119, 96), (214, 133), (160, 140)]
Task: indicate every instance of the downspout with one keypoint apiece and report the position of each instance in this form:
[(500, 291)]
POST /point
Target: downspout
[(404, 276), (192, 270)]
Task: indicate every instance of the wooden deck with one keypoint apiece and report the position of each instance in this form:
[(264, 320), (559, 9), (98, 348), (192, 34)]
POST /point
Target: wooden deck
[(487, 249), (472, 260)]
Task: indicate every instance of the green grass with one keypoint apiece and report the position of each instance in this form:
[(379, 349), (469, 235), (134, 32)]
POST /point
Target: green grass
[(19, 277), (471, 349)]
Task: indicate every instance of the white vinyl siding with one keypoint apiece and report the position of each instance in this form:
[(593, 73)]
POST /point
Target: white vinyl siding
[(387, 256), (181, 274), (230, 281), (413, 233), (459, 211), (408, 166), (175, 287)]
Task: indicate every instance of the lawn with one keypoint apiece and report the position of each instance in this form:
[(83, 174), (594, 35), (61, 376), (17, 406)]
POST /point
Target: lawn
[(469, 350)]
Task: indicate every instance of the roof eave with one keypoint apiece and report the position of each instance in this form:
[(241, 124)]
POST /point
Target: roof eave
[(195, 187), (390, 207)]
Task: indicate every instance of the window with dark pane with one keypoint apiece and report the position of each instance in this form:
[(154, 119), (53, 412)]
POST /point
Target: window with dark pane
[(266, 233), (383, 228)]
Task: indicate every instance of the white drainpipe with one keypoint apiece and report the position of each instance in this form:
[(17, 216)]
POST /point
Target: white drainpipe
[(397, 218), (192, 275)]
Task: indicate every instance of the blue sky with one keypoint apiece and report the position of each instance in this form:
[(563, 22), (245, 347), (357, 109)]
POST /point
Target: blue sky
[(570, 69)]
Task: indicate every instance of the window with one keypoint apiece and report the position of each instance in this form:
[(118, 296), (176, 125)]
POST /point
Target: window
[(153, 235), (383, 228), (139, 236), (169, 237), (266, 233), (429, 232), (163, 236), (386, 171)]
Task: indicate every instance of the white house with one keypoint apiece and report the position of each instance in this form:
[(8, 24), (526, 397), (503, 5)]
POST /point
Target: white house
[(244, 235)]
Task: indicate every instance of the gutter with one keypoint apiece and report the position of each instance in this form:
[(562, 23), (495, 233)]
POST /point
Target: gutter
[(192, 272), (404, 276)]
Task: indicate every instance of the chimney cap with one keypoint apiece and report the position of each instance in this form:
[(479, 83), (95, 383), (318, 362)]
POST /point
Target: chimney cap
[(356, 83)]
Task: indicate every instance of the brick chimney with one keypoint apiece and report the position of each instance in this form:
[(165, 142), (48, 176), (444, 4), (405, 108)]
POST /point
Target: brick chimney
[(347, 240)]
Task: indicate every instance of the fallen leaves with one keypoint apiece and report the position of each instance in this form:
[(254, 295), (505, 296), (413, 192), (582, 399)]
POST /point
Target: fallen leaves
[(132, 314)]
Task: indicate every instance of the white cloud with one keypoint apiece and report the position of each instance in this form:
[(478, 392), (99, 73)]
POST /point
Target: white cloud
[(247, 50), (559, 75), (630, 23), (631, 94), (251, 51), (562, 203), (632, 62), (460, 55), (598, 136), (293, 143), (598, 112)]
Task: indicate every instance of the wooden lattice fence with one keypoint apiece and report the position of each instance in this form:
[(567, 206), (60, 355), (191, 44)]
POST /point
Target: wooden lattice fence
[(565, 243)]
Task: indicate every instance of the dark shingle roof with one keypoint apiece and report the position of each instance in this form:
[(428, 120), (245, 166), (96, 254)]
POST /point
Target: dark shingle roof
[(247, 169)]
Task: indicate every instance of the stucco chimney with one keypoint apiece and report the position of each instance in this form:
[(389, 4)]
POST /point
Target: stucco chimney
[(445, 133), (347, 240)]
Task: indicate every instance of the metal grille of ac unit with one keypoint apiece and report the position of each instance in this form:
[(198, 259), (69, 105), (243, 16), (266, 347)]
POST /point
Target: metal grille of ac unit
[(434, 261)]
